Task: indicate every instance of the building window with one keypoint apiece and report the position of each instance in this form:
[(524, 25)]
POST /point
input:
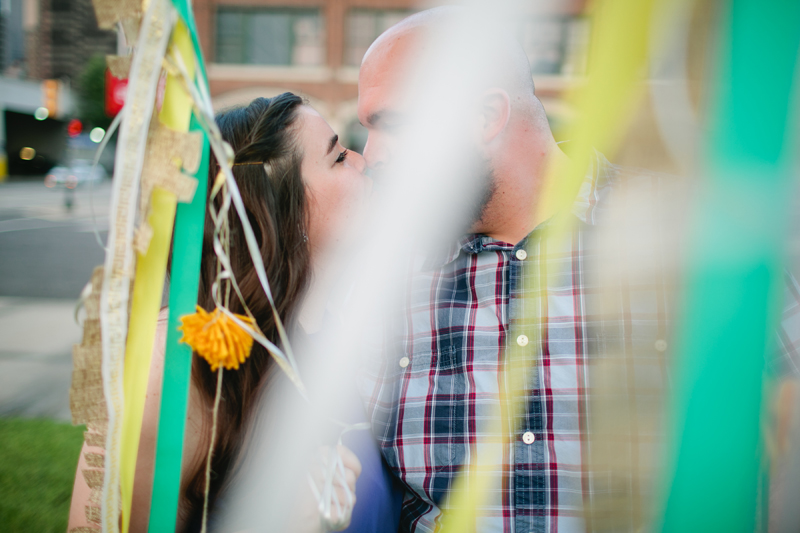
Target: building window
[(363, 26), (270, 36), (543, 41), (61, 5), (555, 45), (60, 37)]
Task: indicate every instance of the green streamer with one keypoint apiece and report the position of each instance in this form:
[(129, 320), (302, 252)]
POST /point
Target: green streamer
[(734, 276), (184, 283)]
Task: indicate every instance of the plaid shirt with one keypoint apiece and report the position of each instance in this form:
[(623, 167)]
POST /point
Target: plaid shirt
[(442, 376)]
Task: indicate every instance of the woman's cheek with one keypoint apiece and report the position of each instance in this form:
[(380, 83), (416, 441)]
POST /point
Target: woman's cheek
[(325, 219)]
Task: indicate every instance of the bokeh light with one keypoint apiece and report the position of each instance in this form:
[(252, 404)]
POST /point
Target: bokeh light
[(97, 134)]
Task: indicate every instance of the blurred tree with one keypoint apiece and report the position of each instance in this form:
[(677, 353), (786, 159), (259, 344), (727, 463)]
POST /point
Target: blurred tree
[(92, 94)]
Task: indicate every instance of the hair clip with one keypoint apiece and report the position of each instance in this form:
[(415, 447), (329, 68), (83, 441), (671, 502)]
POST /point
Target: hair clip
[(249, 163)]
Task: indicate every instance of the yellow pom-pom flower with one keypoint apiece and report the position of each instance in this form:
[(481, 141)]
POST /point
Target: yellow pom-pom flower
[(217, 338)]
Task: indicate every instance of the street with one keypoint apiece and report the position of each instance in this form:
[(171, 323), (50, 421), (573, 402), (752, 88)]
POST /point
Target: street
[(47, 251), (47, 254)]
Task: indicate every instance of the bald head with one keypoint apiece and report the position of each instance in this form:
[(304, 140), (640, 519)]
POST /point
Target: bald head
[(396, 55), (396, 49)]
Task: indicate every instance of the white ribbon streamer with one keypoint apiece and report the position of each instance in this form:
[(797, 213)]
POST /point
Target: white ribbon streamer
[(145, 71)]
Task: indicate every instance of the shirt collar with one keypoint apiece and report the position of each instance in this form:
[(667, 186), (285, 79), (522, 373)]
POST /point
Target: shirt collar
[(600, 176)]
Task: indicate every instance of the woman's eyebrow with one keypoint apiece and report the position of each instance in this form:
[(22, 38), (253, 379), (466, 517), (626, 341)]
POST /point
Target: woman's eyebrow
[(334, 140)]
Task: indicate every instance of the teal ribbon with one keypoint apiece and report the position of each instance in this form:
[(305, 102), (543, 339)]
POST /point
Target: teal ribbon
[(184, 283), (734, 275)]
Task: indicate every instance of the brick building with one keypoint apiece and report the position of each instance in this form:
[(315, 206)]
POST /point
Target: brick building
[(314, 47), (61, 37)]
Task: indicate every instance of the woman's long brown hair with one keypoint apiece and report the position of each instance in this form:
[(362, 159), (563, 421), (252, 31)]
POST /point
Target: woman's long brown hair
[(262, 132)]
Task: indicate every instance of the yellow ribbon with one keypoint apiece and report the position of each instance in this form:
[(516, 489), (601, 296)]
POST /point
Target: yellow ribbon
[(619, 57), (148, 285)]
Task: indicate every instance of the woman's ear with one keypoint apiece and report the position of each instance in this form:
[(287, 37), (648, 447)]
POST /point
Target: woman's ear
[(495, 110)]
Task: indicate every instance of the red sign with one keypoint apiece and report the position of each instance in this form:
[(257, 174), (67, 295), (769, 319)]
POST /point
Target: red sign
[(115, 94)]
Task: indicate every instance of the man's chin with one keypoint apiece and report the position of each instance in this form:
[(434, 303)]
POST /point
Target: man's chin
[(477, 226)]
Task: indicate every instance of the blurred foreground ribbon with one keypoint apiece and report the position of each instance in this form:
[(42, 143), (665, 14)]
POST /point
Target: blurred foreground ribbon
[(734, 273), (622, 30)]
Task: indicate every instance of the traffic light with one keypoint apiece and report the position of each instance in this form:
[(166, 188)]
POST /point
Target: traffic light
[(74, 127), (50, 93)]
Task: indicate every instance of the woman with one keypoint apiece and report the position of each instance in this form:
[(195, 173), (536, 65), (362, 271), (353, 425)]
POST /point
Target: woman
[(297, 208)]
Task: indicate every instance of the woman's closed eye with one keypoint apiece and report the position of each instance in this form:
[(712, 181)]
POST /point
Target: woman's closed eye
[(342, 156)]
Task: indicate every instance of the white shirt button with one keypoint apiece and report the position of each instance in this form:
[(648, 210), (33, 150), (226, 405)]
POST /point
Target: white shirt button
[(522, 340), (404, 362), (528, 437), (521, 254), (661, 345)]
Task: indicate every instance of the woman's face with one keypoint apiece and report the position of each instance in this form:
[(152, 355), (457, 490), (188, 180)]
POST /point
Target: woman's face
[(337, 189)]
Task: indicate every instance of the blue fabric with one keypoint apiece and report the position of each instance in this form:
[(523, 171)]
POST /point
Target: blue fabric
[(379, 495)]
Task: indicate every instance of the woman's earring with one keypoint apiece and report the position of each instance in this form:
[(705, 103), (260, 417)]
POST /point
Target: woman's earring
[(305, 237)]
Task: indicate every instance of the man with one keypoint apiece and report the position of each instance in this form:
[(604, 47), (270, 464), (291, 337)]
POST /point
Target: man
[(430, 402)]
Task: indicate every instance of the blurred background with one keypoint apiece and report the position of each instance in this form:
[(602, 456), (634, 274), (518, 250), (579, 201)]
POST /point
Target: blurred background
[(57, 99)]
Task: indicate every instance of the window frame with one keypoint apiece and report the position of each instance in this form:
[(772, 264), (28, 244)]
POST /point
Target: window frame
[(377, 11), (246, 29)]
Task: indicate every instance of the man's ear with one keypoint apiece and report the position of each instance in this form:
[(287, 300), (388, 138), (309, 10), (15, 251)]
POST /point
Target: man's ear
[(495, 111)]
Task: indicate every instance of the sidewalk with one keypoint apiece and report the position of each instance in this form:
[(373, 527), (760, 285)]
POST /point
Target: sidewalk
[(36, 338)]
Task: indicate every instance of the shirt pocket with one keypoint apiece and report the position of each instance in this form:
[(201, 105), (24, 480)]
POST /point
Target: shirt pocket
[(421, 362), (427, 361)]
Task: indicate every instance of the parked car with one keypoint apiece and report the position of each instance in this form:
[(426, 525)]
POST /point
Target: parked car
[(79, 172)]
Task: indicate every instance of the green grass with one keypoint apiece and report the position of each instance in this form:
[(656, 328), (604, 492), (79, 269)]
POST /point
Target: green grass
[(38, 459)]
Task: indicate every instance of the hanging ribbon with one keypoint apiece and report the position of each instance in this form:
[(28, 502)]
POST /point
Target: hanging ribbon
[(734, 274), (184, 282), (622, 29), (119, 263), (147, 292)]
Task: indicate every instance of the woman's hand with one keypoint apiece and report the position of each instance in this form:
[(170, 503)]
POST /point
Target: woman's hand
[(343, 490)]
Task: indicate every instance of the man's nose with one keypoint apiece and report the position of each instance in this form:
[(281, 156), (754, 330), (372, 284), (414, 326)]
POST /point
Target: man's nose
[(374, 153)]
